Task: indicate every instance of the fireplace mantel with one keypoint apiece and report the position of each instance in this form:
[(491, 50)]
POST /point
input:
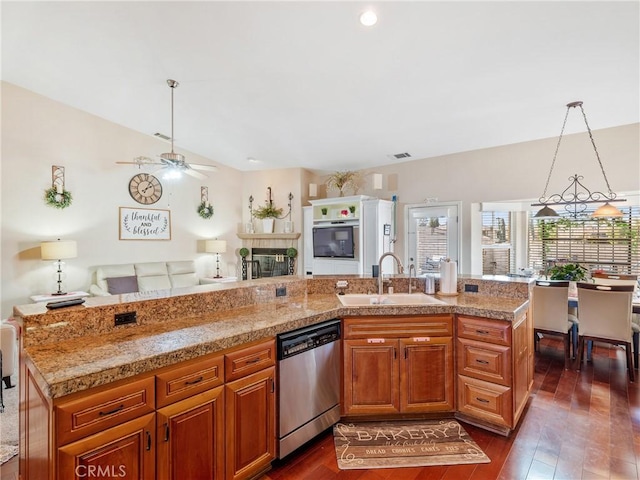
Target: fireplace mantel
[(269, 236)]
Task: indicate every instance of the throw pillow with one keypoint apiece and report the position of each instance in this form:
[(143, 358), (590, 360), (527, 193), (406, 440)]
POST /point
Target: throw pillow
[(117, 285)]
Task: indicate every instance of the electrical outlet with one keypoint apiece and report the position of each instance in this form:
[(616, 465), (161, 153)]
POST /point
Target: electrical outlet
[(125, 318), (281, 291), (470, 288)]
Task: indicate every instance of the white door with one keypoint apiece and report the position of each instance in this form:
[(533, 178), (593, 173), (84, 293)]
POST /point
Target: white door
[(432, 235)]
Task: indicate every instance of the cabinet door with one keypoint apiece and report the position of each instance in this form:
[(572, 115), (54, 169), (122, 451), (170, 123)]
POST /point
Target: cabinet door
[(371, 383), (190, 437), (250, 424), (426, 375), (523, 364), (124, 451)]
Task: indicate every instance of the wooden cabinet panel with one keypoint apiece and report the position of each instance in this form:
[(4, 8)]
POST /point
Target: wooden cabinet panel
[(485, 361), (190, 437), (125, 451), (398, 326), (484, 330), (250, 424), (371, 376), (486, 401), (193, 377), (249, 359), (426, 375), (106, 408), (523, 364)]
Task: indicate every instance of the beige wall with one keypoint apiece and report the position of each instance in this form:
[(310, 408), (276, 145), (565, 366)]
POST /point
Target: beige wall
[(38, 133)]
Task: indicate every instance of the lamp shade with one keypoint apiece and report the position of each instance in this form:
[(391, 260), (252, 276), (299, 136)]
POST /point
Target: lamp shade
[(58, 250), (215, 246), (607, 211), (546, 212)]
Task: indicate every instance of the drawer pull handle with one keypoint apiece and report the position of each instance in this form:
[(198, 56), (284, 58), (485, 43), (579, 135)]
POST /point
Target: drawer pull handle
[(482, 332), (111, 412), (482, 400), (255, 360), (483, 362), (193, 382)]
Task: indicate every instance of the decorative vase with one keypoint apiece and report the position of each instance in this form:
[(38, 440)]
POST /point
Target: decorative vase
[(267, 225)]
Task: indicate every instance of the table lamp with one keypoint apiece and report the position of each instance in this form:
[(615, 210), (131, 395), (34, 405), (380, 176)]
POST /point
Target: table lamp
[(217, 247), (58, 251)]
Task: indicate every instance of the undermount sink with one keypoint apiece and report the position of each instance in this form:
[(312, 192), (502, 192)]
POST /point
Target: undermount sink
[(362, 299)]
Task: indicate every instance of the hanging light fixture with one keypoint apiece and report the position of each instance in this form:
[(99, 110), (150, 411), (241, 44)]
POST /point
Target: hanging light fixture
[(576, 196)]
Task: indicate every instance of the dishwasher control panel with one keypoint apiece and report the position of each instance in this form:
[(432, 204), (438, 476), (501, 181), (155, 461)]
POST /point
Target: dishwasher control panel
[(298, 341)]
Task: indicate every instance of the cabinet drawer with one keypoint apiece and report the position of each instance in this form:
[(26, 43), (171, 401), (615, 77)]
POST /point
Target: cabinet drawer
[(484, 330), (189, 379), (249, 359), (399, 326), (95, 412), (485, 401), (485, 361)]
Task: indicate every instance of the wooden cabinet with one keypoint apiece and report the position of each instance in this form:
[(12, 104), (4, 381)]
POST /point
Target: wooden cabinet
[(250, 410), (398, 365), (123, 451), (190, 437), (495, 370)]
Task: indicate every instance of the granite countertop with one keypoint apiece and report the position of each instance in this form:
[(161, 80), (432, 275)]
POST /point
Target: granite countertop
[(77, 364)]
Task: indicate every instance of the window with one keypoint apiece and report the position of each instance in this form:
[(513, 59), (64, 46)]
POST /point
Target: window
[(610, 245), (498, 256), (432, 236)]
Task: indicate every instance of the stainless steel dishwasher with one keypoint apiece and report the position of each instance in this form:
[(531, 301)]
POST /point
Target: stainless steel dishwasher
[(309, 383)]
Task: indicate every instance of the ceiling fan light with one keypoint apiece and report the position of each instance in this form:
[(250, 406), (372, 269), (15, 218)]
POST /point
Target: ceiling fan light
[(546, 212), (607, 211), (172, 174)]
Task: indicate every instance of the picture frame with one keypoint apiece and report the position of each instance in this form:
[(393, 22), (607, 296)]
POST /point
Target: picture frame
[(144, 224)]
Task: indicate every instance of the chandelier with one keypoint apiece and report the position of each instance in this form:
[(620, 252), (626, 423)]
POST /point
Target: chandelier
[(576, 197)]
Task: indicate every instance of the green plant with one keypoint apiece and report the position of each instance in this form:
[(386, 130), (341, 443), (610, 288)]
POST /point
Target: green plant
[(341, 180), (57, 200), (352, 209), (205, 211), (292, 252), (569, 271), (324, 210), (244, 252), (268, 210)]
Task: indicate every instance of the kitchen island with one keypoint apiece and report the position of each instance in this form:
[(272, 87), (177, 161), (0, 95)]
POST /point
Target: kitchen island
[(72, 355)]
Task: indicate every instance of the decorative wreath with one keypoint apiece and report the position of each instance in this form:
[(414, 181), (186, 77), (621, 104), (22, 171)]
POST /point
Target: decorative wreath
[(57, 200), (205, 211)]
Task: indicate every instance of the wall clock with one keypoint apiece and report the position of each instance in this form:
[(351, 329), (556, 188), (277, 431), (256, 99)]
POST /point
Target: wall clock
[(145, 189)]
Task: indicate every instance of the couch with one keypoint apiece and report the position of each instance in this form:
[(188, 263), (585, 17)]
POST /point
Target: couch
[(144, 277)]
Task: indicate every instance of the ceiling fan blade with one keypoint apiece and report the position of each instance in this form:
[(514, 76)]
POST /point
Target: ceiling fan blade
[(208, 168), (195, 174)]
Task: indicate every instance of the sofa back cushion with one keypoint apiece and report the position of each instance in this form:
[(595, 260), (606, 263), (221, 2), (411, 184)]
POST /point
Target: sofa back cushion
[(111, 271), (118, 285), (152, 276), (182, 274)]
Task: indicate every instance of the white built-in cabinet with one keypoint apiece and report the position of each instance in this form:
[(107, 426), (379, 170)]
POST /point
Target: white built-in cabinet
[(370, 217)]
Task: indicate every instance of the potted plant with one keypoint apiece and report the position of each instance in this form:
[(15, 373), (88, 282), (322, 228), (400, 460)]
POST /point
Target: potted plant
[(292, 253), (568, 271), (267, 213), (324, 211), (341, 180), (352, 210)]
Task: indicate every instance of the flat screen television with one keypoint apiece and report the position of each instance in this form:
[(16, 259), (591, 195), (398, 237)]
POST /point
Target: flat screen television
[(335, 241)]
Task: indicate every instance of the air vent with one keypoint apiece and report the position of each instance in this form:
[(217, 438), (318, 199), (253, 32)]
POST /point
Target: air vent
[(399, 156), (162, 136)]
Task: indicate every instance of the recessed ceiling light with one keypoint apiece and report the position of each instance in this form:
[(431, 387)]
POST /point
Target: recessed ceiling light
[(368, 18), (253, 160)]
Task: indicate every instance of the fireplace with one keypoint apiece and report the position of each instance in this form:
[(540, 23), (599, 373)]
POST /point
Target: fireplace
[(269, 262)]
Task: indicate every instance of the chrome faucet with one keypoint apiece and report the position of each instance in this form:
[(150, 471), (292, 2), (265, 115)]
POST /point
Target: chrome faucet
[(400, 268), (411, 267)]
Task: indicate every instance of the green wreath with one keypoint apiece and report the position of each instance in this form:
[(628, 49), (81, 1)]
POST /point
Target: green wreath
[(57, 200), (205, 211)]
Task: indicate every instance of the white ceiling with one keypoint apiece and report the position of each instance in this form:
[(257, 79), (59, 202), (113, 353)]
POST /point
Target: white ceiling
[(303, 84)]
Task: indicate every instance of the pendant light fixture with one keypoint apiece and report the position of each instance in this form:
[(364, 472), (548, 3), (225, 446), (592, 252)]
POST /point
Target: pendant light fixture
[(576, 196)]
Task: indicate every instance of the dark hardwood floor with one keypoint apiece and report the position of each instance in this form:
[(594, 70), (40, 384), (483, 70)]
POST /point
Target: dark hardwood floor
[(578, 425)]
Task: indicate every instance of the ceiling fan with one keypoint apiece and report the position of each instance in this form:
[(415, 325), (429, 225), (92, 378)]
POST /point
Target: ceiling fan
[(173, 163)]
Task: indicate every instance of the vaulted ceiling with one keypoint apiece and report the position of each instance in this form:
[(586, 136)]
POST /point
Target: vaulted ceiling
[(304, 84)]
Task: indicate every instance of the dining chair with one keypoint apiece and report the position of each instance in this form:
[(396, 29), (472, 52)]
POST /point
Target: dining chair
[(605, 316), (603, 278), (550, 316)]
